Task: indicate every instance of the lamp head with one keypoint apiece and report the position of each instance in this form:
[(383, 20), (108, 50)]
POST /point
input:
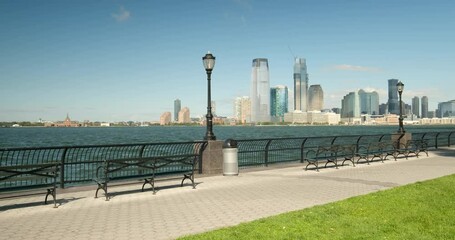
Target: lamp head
[(209, 61), (400, 87)]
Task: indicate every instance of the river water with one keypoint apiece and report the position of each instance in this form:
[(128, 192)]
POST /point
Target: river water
[(46, 137)]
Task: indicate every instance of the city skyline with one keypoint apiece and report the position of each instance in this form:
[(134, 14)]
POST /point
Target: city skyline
[(116, 61)]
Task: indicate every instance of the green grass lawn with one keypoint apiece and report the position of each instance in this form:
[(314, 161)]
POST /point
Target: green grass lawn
[(425, 210)]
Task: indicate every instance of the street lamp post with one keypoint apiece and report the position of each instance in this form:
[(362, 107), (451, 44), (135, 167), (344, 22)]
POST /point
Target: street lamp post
[(209, 63), (400, 87)]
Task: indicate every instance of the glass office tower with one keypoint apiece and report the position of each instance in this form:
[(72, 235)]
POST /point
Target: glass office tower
[(278, 101), (260, 91), (393, 104), (350, 105), (446, 109), (300, 85), (177, 108), (369, 102)]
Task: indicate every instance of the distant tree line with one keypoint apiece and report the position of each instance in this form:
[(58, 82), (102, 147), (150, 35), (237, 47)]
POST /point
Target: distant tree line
[(22, 124)]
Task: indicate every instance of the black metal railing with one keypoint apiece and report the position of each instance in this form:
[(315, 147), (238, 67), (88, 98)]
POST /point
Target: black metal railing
[(79, 163), (262, 152)]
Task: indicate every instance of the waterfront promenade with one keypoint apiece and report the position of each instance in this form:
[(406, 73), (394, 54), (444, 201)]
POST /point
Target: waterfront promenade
[(218, 201)]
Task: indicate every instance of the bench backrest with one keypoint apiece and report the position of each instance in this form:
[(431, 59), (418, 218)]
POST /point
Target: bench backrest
[(145, 167), (28, 176)]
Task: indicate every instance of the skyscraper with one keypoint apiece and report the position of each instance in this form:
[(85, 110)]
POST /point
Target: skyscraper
[(415, 106), (300, 85), (424, 107), (165, 118), (315, 98), (350, 105), (260, 91), (446, 109), (242, 109), (369, 102), (278, 101), (393, 104), (184, 115), (177, 108)]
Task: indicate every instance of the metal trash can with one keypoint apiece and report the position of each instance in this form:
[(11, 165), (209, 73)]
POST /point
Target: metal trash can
[(230, 158)]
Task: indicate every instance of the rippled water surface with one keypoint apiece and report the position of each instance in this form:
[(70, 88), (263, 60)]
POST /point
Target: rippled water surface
[(38, 136)]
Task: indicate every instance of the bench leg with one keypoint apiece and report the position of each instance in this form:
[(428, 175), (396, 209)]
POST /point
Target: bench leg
[(53, 192), (426, 151), (149, 181), (331, 161), (363, 157), (152, 182), (348, 159), (314, 163), (190, 177), (102, 186)]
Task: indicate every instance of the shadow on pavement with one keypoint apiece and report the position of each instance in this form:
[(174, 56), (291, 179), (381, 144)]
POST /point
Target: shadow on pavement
[(60, 202), (445, 152)]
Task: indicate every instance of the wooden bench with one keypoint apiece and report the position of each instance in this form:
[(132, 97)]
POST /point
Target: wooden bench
[(347, 153), (24, 180), (371, 151), (389, 149), (413, 147), (144, 169), (330, 154), (314, 155), (422, 145)]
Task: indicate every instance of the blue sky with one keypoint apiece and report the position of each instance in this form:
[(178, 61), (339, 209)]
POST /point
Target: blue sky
[(129, 60)]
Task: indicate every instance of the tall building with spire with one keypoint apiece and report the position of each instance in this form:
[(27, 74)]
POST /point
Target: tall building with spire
[(260, 91), (300, 85)]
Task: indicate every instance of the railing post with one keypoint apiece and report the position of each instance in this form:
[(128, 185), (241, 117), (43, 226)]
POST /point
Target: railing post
[(62, 168), (423, 136), (436, 140), (448, 142), (266, 160), (357, 144), (301, 150), (141, 150), (201, 151)]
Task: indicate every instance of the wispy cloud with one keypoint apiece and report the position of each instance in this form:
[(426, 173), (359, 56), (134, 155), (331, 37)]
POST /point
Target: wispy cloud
[(122, 15), (347, 67)]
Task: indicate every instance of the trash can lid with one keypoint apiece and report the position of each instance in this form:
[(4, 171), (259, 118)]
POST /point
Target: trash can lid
[(230, 143)]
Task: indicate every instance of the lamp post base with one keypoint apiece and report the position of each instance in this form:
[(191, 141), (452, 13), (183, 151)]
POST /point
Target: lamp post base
[(209, 137)]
